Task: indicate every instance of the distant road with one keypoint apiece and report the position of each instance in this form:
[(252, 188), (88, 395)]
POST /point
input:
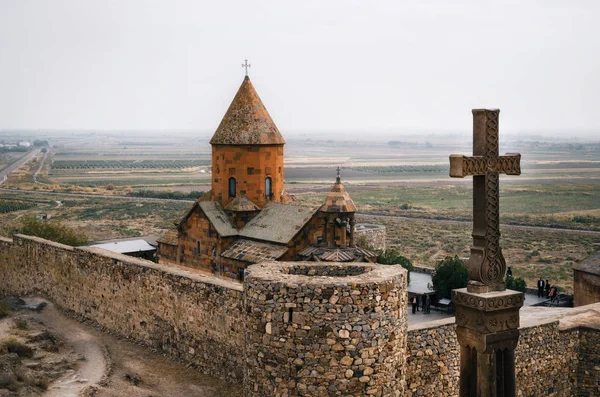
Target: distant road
[(25, 159), (87, 195), (406, 218), (36, 173)]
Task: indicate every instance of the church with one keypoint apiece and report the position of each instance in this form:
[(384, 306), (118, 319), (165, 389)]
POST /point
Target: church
[(247, 217)]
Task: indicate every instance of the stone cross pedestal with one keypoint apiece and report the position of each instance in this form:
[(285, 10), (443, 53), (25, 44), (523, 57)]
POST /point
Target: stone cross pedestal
[(487, 315)]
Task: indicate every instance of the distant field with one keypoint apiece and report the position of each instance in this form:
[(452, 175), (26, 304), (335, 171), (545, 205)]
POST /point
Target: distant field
[(125, 164), (531, 253)]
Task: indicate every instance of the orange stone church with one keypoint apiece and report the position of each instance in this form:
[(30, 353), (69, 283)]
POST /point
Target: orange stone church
[(247, 217)]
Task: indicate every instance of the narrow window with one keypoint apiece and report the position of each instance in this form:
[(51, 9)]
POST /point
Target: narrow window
[(231, 187), (197, 247), (268, 191)]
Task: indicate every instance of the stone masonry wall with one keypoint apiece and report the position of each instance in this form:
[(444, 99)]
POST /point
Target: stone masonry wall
[(549, 361), (188, 316), (433, 362), (249, 165), (323, 329), (374, 236), (589, 367)]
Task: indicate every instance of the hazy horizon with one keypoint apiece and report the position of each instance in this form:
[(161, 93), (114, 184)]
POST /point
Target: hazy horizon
[(388, 68)]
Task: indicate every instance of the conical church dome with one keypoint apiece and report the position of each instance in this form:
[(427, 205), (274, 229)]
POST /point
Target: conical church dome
[(247, 121), (338, 199)]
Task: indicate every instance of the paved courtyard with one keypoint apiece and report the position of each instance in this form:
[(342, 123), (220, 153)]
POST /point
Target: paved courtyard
[(419, 284)]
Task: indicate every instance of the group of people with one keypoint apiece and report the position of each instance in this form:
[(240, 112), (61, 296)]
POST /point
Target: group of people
[(421, 300), (546, 290)]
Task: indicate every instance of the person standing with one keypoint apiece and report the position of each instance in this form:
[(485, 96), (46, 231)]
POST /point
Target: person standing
[(427, 304), (423, 301), (414, 303), (418, 301), (540, 285), (509, 272), (547, 288)]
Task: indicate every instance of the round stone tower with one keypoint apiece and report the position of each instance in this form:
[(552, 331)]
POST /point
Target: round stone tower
[(325, 329)]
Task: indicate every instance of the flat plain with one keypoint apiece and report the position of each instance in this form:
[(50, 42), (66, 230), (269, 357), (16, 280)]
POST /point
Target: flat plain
[(550, 213)]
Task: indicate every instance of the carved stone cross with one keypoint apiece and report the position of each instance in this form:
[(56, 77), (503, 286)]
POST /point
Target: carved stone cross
[(486, 266)]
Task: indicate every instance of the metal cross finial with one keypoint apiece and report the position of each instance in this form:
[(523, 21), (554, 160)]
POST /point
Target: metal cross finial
[(337, 178), (486, 266), (246, 65)]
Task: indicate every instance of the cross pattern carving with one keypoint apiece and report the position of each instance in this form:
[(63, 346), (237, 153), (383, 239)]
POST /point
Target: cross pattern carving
[(486, 266)]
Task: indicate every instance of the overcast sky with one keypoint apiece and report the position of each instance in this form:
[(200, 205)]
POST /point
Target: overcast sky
[(318, 65)]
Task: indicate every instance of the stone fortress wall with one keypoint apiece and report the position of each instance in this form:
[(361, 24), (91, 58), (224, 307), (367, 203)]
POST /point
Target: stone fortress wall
[(192, 318), (557, 355), (224, 331), (374, 236)]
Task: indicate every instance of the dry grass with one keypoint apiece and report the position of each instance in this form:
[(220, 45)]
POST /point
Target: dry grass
[(427, 242)]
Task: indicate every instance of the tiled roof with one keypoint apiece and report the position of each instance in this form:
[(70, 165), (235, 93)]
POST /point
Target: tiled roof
[(215, 214), (218, 218), (277, 222), (254, 251), (338, 254), (241, 203), (169, 237), (590, 265), (338, 199), (247, 121), (206, 196)]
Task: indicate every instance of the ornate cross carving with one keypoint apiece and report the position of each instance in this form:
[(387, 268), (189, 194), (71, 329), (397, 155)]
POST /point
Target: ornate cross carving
[(246, 65), (486, 266)]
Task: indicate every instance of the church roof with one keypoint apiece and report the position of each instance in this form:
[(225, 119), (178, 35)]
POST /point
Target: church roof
[(169, 238), (247, 121), (254, 251), (215, 214), (241, 203), (338, 199), (589, 265), (277, 222), (218, 218)]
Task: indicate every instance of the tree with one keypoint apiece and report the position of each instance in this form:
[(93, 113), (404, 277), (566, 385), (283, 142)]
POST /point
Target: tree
[(53, 231), (516, 284), (450, 273), (393, 257)]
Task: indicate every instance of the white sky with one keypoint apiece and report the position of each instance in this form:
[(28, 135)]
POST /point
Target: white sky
[(318, 65)]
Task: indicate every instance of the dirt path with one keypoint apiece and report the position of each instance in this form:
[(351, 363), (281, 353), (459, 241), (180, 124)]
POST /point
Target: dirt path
[(93, 366), (120, 368)]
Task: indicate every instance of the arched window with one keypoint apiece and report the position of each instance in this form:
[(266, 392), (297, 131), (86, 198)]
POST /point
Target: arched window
[(268, 190), (231, 187)]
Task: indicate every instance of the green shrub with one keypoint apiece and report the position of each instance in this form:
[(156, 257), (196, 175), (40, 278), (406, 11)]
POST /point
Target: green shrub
[(392, 257), (51, 231), (4, 310), (516, 284), (21, 323), (450, 273)]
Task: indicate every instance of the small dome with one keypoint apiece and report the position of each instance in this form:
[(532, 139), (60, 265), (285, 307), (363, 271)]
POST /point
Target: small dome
[(338, 199)]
